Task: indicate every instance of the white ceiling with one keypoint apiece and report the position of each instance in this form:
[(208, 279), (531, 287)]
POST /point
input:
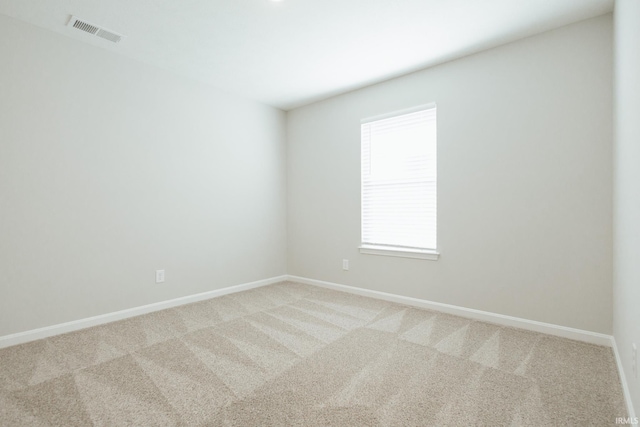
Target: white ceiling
[(293, 52)]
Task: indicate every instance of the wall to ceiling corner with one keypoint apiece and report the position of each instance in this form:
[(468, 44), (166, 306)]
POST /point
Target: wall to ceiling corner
[(524, 190), (626, 286), (111, 169)]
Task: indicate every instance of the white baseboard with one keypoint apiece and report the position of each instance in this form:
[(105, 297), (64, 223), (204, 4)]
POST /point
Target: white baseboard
[(485, 316), (623, 379), (62, 328), (500, 319)]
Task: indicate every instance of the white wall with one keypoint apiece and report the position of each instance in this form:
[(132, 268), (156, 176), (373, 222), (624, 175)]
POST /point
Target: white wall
[(111, 169), (626, 287), (525, 178)]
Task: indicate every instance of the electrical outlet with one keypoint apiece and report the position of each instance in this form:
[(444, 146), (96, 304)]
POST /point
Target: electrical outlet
[(634, 360), (159, 276), (345, 264)]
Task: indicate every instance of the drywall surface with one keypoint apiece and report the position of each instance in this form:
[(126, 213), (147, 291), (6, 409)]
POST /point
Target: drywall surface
[(524, 181), (626, 287), (111, 169)]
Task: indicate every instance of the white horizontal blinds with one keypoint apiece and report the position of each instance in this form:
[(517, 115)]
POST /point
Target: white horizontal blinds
[(399, 171)]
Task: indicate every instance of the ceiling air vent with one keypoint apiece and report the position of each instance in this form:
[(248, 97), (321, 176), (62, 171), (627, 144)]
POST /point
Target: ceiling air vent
[(96, 30)]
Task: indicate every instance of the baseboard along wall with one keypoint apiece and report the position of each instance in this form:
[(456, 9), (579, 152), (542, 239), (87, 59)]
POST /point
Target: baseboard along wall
[(623, 380), (63, 328), (485, 316)]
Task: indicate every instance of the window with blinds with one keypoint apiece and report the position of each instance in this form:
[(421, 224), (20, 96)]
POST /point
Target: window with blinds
[(399, 183)]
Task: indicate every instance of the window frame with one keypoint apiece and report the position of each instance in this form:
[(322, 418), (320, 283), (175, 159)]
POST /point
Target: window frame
[(390, 250)]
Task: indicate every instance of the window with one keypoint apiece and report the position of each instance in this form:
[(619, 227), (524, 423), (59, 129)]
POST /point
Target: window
[(399, 185)]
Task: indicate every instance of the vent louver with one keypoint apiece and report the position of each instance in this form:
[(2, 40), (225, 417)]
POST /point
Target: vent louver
[(95, 30)]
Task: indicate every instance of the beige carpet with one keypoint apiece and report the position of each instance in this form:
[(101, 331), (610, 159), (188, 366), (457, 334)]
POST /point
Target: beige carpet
[(291, 354)]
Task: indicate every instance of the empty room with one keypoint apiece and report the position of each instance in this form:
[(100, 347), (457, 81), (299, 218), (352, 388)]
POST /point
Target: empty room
[(319, 213)]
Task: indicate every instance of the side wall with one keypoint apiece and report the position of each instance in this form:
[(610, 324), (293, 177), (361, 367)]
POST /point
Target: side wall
[(524, 191), (111, 169), (626, 287)]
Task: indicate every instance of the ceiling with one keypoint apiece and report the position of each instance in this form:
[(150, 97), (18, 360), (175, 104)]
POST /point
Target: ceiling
[(293, 52)]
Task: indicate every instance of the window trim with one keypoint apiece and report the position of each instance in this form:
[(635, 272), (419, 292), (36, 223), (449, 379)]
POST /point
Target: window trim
[(428, 106), (397, 251), (429, 254)]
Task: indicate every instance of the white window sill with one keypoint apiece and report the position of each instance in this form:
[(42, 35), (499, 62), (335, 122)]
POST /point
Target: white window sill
[(404, 253)]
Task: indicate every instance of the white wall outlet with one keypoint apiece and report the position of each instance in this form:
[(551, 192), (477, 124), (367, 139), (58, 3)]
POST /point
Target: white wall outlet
[(634, 360), (159, 276), (345, 264)]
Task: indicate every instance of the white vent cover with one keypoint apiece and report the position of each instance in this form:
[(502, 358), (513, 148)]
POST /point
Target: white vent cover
[(94, 29)]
